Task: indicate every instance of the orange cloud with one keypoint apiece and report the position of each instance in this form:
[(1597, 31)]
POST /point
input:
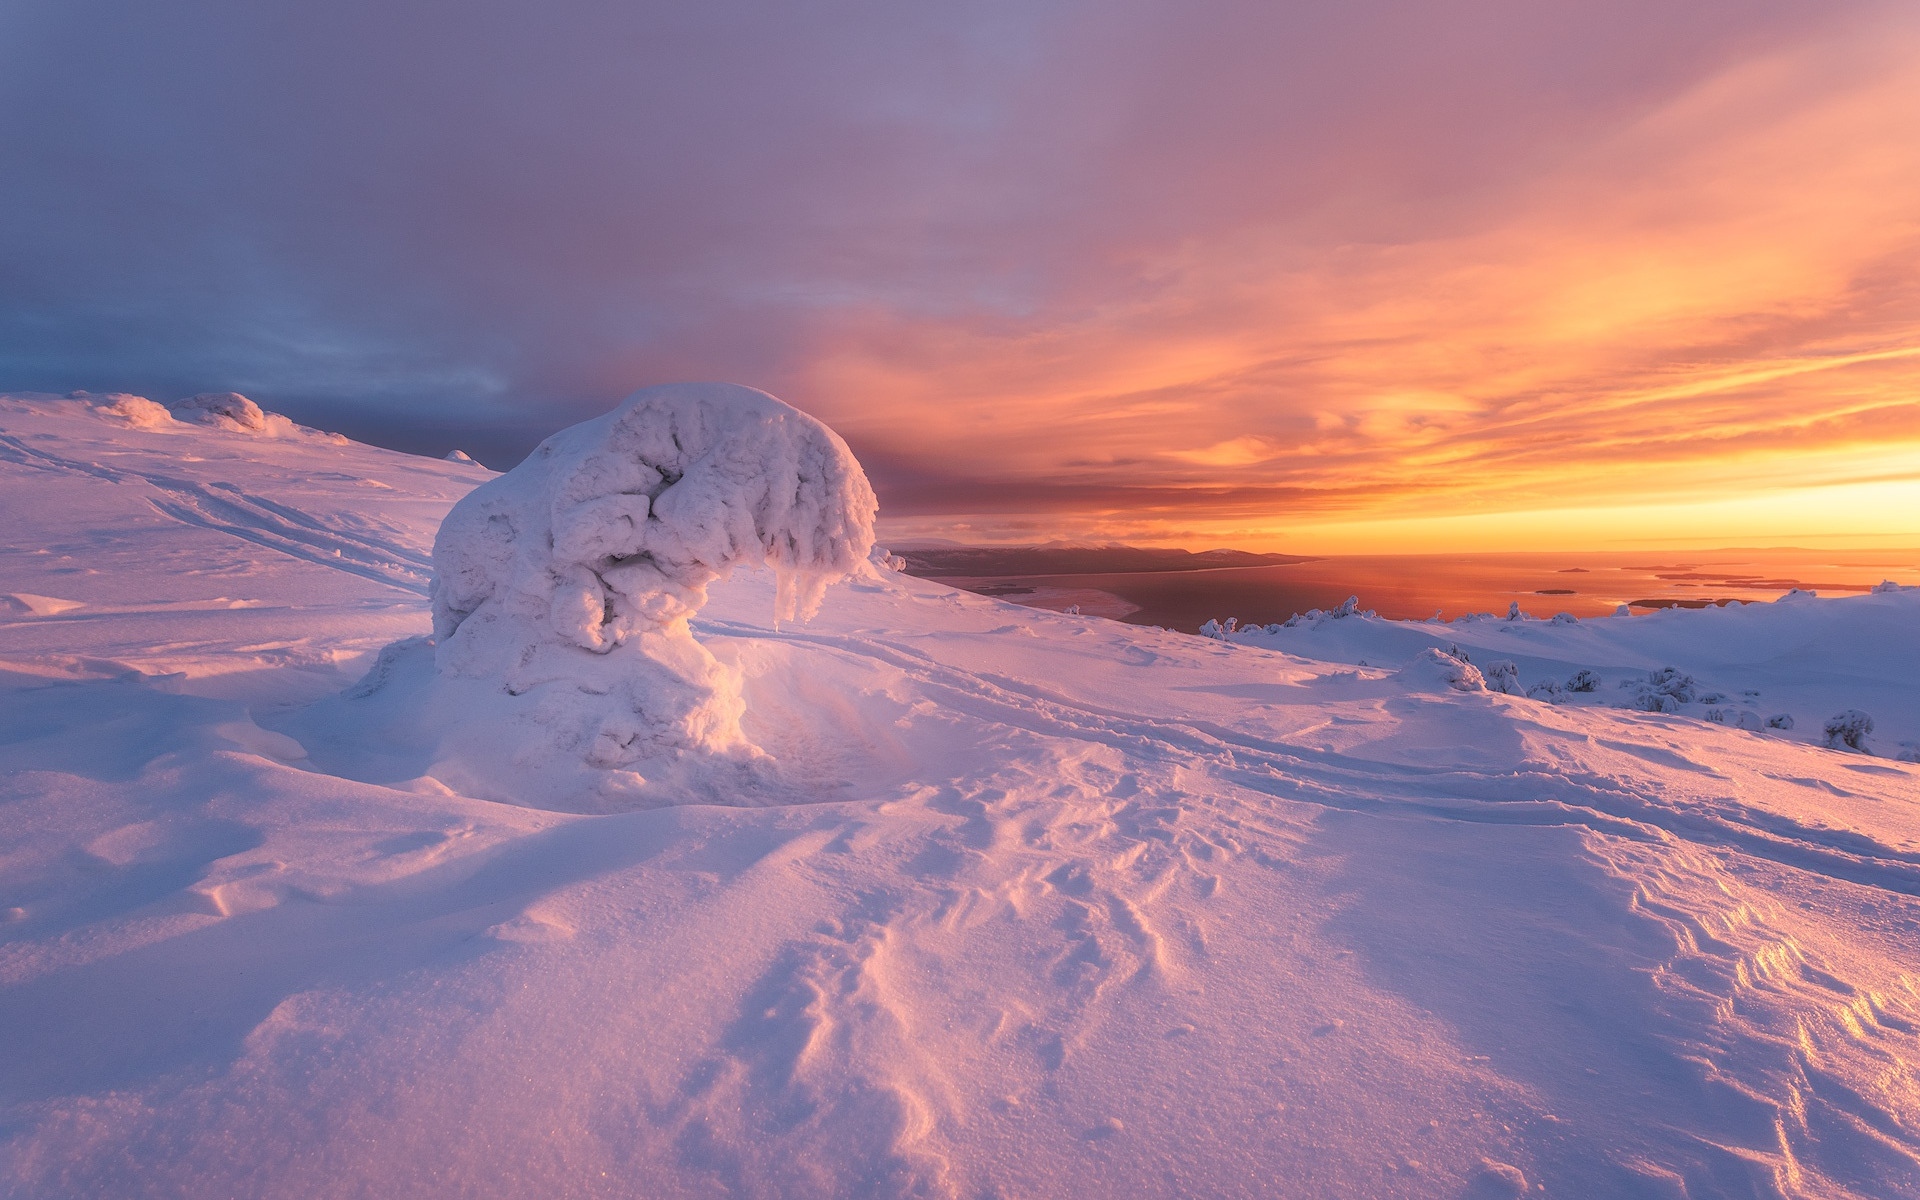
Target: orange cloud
[(1695, 322)]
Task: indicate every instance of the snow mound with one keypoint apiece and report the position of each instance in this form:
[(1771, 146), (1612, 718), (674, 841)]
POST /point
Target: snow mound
[(1434, 669), (232, 412), (563, 588), (137, 411)]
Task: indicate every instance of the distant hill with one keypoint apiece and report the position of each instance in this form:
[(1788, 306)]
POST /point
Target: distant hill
[(1077, 560)]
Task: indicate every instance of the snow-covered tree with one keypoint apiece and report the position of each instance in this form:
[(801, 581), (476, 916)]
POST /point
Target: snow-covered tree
[(563, 588)]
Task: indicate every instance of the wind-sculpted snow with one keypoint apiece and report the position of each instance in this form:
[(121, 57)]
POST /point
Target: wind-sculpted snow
[(229, 411), (563, 588), (1055, 906)]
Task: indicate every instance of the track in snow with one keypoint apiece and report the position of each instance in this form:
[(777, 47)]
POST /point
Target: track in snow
[(226, 508)]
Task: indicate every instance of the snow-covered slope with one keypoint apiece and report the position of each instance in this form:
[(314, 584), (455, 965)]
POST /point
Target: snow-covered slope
[(1036, 905)]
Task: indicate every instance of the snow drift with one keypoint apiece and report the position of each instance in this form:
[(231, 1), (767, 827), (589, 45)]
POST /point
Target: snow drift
[(562, 589), (234, 413)]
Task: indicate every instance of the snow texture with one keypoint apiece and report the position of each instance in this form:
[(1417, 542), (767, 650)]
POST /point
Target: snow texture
[(562, 589)]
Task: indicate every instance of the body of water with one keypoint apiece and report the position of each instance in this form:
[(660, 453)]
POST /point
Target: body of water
[(1413, 586)]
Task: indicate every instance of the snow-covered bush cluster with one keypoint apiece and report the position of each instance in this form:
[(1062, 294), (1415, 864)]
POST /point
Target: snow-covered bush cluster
[(1847, 730), (562, 589), (1503, 677), (1350, 607), (1665, 690)]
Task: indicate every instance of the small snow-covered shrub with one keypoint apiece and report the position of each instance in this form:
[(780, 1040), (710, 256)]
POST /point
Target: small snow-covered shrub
[(1780, 721), (1546, 691), (1909, 752), (1716, 715), (1565, 618), (1503, 677), (1347, 608), (1583, 680), (1435, 668), (459, 456), (1885, 586), (1214, 629), (1750, 721), (886, 560), (1623, 611), (1847, 730), (1514, 613), (1797, 594), (562, 589)]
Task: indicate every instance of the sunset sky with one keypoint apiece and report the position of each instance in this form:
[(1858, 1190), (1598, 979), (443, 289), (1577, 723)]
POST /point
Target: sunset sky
[(1408, 275)]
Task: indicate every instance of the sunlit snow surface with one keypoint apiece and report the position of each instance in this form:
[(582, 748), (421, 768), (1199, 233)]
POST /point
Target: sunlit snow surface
[(1052, 906)]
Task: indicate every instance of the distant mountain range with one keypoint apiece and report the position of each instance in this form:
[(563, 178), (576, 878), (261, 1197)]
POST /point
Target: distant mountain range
[(1077, 560)]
